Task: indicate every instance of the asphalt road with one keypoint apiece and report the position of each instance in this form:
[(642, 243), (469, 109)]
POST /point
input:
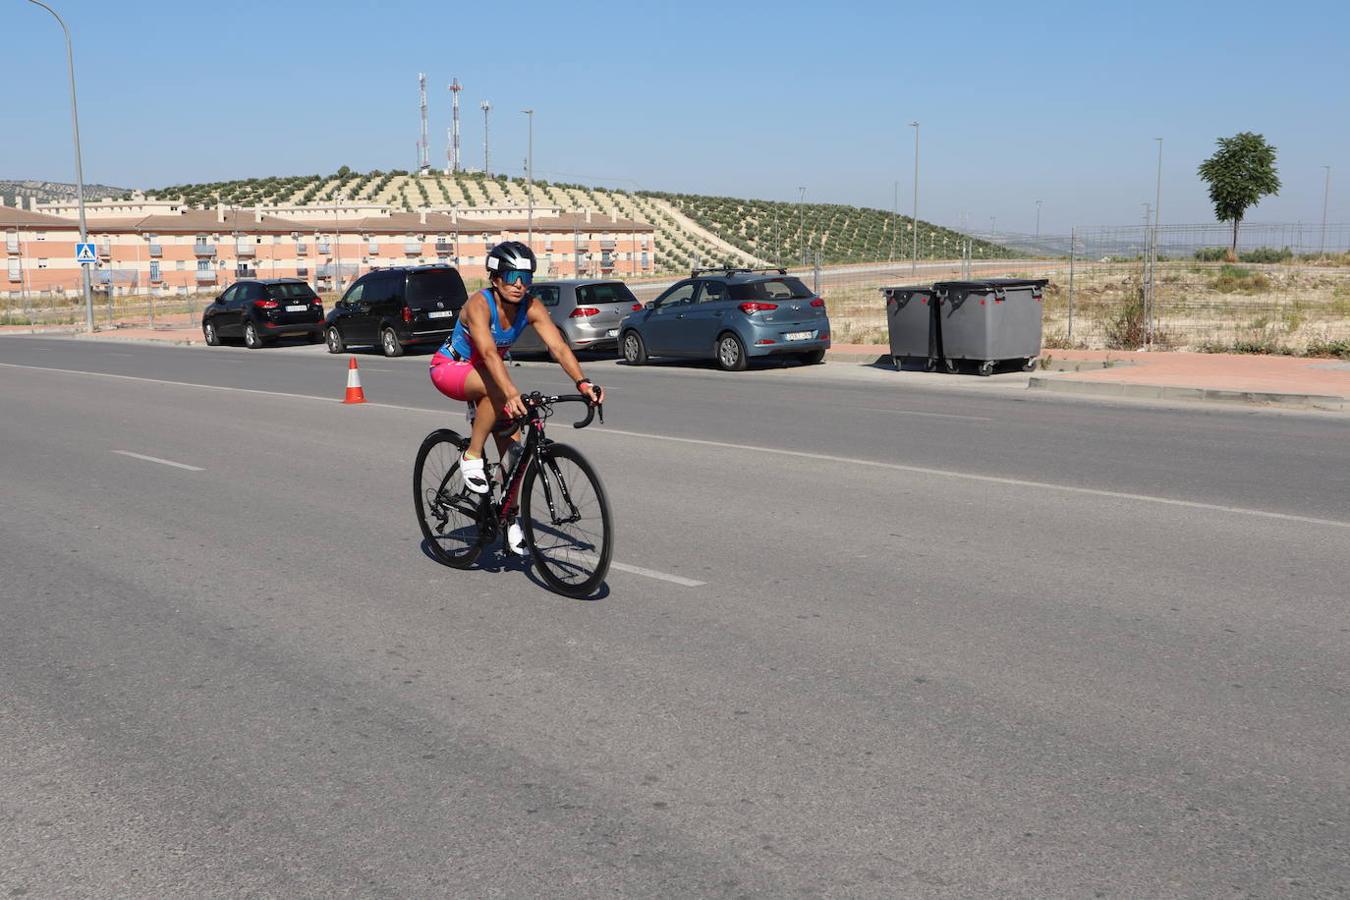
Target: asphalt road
[(873, 637)]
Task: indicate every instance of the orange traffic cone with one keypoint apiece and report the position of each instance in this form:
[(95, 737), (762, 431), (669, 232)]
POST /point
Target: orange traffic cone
[(354, 392)]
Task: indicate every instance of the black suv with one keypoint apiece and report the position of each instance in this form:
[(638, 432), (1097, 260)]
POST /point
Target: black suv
[(396, 308), (262, 310)]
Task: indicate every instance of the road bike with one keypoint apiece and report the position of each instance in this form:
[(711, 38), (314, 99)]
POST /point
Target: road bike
[(556, 492)]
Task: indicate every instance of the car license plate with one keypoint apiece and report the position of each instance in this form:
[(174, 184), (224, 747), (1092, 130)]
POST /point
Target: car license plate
[(613, 332), (439, 314), (799, 335), (297, 309)]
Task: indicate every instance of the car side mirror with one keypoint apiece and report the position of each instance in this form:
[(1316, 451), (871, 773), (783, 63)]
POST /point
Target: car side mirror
[(650, 304)]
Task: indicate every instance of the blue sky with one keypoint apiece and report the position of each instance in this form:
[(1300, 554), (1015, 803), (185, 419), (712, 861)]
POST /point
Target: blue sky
[(1018, 102)]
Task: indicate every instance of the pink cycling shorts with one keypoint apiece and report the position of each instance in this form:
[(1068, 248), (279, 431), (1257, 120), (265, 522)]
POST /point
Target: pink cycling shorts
[(449, 377)]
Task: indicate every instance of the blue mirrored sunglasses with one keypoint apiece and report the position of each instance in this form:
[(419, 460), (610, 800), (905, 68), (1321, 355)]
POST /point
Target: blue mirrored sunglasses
[(516, 276)]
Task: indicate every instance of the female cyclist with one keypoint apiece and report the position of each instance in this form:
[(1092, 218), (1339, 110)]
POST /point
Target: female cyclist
[(469, 364)]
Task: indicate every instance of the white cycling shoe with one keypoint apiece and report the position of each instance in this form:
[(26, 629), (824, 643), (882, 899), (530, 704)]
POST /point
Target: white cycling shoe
[(515, 538), (474, 473)]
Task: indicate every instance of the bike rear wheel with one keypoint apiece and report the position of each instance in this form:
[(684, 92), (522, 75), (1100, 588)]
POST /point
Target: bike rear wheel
[(447, 511), (568, 524)]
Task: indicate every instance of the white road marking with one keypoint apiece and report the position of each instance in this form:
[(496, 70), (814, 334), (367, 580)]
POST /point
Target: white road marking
[(801, 454), (660, 576), (915, 412), (209, 387), (156, 459), (988, 479)]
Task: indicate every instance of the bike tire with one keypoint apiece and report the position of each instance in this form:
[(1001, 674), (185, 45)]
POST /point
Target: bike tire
[(439, 496), (572, 561)]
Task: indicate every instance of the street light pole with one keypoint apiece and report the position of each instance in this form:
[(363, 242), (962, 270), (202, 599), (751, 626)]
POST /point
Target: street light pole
[(529, 173), (1038, 220), (914, 262), (1326, 192), (337, 243), (801, 219), (79, 167)]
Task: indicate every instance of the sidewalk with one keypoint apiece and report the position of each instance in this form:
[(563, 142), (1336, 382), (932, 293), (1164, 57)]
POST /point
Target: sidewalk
[(1214, 377)]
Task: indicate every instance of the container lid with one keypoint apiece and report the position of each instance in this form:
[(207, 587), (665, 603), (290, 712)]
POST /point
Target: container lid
[(990, 285), (910, 288)]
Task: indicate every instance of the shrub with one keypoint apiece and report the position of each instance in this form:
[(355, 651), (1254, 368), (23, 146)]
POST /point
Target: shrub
[(1266, 255), (1237, 280), (1211, 254)]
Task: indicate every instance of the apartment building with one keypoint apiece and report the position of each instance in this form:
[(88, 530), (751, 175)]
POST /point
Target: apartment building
[(159, 248)]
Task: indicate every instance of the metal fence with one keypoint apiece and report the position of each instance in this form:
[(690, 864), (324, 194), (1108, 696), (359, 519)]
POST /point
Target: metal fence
[(1287, 289)]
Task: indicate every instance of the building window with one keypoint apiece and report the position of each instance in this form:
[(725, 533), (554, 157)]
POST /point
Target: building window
[(180, 265), (154, 270), (203, 265), (40, 236), (14, 273), (42, 264)]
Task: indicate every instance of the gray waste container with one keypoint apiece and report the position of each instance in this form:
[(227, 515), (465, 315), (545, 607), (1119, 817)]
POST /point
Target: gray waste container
[(988, 322), (911, 318)]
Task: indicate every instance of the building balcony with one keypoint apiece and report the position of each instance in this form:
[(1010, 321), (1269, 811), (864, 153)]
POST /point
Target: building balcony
[(412, 248), (206, 277), (156, 250), (374, 248), (105, 251), (607, 245), (325, 248), (303, 250), (15, 275), (302, 272), (444, 248), (203, 250), (11, 243), (246, 249), (156, 278)]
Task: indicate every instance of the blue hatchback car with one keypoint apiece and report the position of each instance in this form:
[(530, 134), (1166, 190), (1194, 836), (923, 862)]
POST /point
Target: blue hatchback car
[(730, 316)]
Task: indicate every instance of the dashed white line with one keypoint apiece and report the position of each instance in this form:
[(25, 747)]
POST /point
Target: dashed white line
[(659, 576), (162, 462)]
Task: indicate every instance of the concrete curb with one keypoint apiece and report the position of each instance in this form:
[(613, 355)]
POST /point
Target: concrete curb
[(1174, 392)]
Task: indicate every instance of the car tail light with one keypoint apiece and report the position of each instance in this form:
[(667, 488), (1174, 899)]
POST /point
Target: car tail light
[(823, 336), (637, 307), (763, 341), (582, 311), (753, 307), (407, 314), (266, 304), (818, 302)]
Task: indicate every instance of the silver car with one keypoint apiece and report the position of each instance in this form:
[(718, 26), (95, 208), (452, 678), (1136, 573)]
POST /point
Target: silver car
[(586, 311)]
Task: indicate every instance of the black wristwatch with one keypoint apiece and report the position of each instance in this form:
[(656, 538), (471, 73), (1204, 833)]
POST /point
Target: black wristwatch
[(585, 381)]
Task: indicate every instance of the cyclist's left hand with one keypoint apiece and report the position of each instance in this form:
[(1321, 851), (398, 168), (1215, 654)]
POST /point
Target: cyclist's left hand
[(594, 392)]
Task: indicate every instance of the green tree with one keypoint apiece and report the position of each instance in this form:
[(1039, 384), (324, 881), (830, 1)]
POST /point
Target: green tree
[(1240, 173)]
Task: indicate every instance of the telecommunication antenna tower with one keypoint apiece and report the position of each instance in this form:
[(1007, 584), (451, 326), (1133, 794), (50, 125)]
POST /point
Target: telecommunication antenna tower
[(487, 108), (455, 88), (423, 147)]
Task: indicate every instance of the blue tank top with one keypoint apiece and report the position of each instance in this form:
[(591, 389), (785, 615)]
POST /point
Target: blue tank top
[(460, 346)]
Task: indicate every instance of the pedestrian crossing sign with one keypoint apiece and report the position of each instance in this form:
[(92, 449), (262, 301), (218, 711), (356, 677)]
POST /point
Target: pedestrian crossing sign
[(84, 254)]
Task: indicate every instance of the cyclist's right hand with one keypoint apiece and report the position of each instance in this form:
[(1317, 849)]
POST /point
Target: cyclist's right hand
[(515, 406)]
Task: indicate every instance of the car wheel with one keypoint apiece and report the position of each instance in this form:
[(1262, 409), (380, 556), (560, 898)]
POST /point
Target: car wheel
[(252, 340), (815, 358), (209, 333), (389, 343), (333, 338), (634, 351), (730, 353)]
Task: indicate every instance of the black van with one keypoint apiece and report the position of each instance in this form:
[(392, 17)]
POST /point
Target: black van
[(396, 308)]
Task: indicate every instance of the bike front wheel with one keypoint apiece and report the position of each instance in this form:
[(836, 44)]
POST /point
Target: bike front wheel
[(568, 524), (447, 511)]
